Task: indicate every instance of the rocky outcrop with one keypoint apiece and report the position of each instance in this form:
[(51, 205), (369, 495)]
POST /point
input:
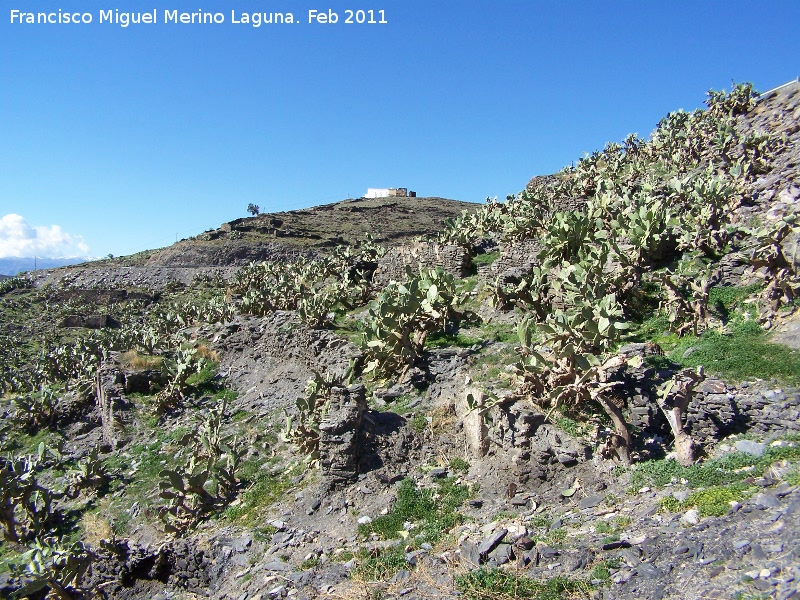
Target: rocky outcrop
[(269, 360), (339, 435), (123, 569)]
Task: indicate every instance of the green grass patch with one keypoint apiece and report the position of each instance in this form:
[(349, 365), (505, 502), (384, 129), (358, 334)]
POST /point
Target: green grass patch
[(459, 465), (379, 565), (570, 426), (419, 423), (486, 258), (715, 501), (310, 563), (264, 492), (729, 468), (540, 521), (500, 584), (728, 298), (203, 380), (441, 339), (21, 441), (500, 332), (743, 354), (432, 510), (504, 514), (556, 536), (602, 570)]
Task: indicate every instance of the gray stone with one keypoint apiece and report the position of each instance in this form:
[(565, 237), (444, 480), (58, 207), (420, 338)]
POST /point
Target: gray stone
[(750, 447), (503, 553), (690, 517), (648, 571), (277, 592), (470, 556), (766, 500), (567, 460), (489, 543), (401, 575), (591, 501)]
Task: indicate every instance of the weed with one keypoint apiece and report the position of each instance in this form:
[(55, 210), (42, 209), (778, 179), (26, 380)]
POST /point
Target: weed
[(793, 477), (485, 259), (442, 339), (540, 521), (432, 511), (264, 533), (729, 298), (497, 584), (603, 527), (310, 563), (419, 423), (556, 536), (713, 501), (379, 565), (203, 379), (262, 494), (499, 332), (459, 465), (504, 514), (136, 360), (96, 527), (743, 354), (343, 557), (601, 572), (569, 426)]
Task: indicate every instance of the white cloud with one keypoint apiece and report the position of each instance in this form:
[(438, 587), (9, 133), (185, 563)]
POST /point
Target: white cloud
[(19, 239)]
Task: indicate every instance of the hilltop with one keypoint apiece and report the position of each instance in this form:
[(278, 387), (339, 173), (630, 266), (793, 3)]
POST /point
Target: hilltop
[(588, 390)]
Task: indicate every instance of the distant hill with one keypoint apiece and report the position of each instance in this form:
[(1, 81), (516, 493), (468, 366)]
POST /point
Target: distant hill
[(387, 220), (13, 264), (307, 231)]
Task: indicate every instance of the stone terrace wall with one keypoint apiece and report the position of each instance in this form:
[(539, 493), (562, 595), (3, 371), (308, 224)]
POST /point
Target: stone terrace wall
[(126, 277), (514, 260), (392, 266), (717, 409)]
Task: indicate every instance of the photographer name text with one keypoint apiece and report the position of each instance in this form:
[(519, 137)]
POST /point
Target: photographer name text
[(199, 17)]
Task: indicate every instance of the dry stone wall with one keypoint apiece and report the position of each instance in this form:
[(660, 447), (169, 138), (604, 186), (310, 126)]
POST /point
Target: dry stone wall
[(392, 266), (153, 278), (717, 409), (339, 435), (514, 261)]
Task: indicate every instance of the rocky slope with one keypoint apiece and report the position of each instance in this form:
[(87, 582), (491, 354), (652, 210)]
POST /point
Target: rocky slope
[(412, 490)]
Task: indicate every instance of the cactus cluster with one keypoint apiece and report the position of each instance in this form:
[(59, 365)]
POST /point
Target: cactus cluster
[(26, 505), (647, 204), (51, 563), (185, 363), (314, 288), (302, 430), (207, 480), (14, 283), (394, 332)]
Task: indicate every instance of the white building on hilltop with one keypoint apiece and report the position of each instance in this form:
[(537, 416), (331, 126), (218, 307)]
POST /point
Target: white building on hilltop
[(389, 193)]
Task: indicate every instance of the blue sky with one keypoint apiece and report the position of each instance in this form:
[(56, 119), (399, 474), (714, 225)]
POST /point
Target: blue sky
[(114, 140)]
